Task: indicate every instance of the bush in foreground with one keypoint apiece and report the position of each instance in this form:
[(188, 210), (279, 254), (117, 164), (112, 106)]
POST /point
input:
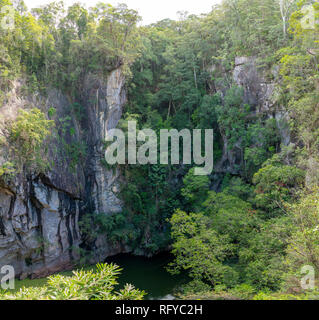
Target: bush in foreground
[(83, 285)]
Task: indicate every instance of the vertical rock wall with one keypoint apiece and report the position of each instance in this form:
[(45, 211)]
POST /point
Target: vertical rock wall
[(39, 215)]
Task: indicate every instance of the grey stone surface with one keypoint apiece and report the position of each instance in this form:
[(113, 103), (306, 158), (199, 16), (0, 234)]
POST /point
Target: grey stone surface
[(260, 95), (39, 215)]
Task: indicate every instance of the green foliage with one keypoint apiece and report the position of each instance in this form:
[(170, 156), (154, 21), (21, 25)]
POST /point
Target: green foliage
[(29, 130), (73, 150), (232, 116), (299, 72), (7, 169), (200, 249), (195, 286), (195, 189), (25, 138), (303, 248), (51, 112), (248, 34), (83, 285), (262, 256), (262, 141), (180, 75), (311, 295), (78, 110), (235, 186), (76, 151), (276, 184), (230, 215), (149, 199), (205, 115)]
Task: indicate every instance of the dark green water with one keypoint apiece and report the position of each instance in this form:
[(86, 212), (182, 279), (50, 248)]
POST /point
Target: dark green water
[(149, 274), (146, 274)]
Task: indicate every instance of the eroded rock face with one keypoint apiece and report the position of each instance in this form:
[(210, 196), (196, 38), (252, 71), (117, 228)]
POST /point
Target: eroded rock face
[(259, 94), (104, 103), (39, 229), (39, 215)]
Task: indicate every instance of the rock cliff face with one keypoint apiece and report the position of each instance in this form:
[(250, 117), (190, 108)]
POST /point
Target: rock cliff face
[(39, 214), (259, 94)]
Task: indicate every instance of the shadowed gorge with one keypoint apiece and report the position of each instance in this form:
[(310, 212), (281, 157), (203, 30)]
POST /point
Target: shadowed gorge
[(70, 75)]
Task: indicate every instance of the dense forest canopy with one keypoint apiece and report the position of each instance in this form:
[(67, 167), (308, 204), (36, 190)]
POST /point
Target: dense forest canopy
[(242, 231)]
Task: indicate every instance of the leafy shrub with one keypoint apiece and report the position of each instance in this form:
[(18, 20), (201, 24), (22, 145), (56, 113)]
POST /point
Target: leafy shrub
[(311, 295), (262, 256), (303, 247), (195, 189), (276, 184), (199, 249), (83, 285), (7, 169), (25, 139)]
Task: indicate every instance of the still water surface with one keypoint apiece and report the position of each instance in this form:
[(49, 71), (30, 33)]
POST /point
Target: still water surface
[(148, 274)]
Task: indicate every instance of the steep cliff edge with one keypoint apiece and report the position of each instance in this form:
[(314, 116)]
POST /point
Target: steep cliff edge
[(39, 214), (259, 94)]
